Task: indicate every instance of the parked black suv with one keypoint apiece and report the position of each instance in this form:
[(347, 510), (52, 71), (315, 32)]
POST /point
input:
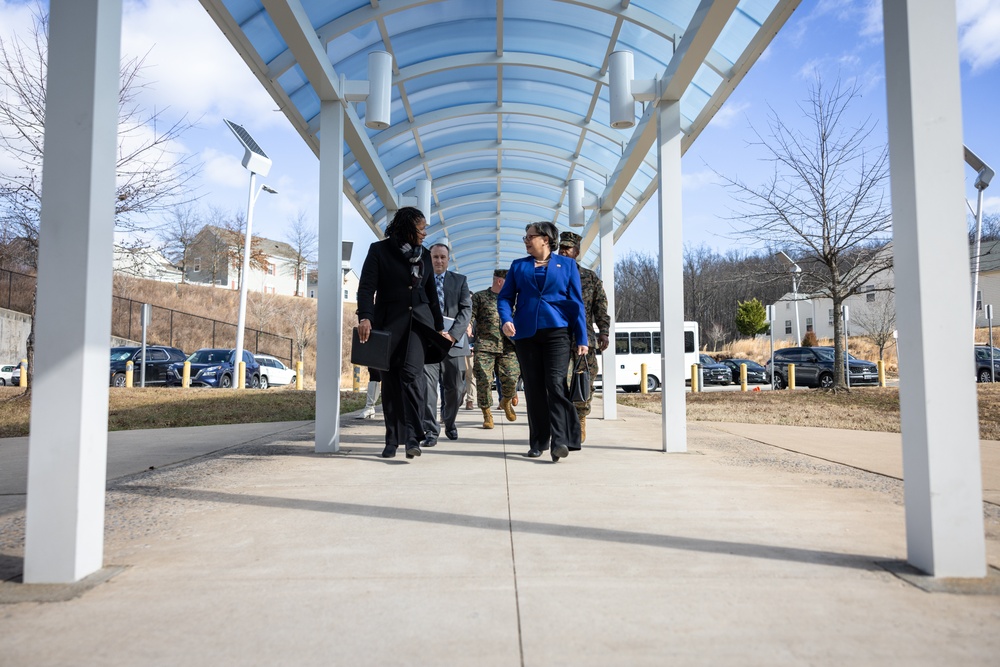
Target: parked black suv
[(814, 368), (983, 364), (158, 360), (712, 372)]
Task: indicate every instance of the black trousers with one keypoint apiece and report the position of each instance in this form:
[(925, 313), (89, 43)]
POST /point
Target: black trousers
[(444, 380), (404, 392), (544, 361)]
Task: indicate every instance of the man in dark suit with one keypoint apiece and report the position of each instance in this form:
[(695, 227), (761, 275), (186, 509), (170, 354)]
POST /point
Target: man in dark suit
[(444, 379)]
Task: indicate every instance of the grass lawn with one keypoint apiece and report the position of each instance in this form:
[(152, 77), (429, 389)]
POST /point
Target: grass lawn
[(860, 409), (162, 408)]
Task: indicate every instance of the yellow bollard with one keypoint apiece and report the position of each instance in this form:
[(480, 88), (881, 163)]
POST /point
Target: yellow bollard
[(129, 374), (186, 375), (743, 377), (298, 375), (881, 373), (694, 379), (24, 374), (643, 378), (356, 386), (791, 376), (242, 375)]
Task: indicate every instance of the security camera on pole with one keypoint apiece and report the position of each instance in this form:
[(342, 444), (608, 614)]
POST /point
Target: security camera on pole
[(256, 162)]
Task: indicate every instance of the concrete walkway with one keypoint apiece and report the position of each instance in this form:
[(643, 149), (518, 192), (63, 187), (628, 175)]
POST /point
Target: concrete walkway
[(739, 552)]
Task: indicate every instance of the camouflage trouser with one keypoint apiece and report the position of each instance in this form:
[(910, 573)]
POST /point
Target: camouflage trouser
[(583, 407), (505, 364)]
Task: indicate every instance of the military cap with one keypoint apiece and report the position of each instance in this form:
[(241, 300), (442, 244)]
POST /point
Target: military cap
[(569, 240), (499, 273)]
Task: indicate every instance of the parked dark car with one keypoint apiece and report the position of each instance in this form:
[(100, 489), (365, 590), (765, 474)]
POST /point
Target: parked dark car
[(158, 361), (712, 372), (15, 377), (814, 368), (214, 367), (983, 364), (756, 374)]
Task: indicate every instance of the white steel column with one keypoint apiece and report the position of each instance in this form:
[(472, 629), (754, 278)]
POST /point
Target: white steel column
[(668, 163), (67, 457), (330, 311), (941, 468), (609, 366)]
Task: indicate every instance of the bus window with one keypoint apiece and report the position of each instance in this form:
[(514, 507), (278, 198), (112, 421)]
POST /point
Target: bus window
[(656, 342), (640, 342), (689, 341), (621, 343)]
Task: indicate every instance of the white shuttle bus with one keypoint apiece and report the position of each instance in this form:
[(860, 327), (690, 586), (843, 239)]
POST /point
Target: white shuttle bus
[(638, 343)]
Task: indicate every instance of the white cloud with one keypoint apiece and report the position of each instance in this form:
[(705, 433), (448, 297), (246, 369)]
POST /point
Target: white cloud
[(191, 66), (991, 205), (221, 169), (979, 33), (729, 114), (699, 179)]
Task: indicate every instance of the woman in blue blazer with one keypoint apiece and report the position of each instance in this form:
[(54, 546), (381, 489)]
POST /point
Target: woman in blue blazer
[(540, 306)]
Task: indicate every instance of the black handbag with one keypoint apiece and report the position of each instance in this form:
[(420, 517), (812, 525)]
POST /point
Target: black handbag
[(579, 384), (374, 353)]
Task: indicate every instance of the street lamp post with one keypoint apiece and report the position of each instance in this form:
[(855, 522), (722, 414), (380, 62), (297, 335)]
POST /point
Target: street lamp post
[(983, 177), (257, 163), (796, 272)]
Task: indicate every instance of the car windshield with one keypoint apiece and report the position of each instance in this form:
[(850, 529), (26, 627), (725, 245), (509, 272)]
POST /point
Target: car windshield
[(121, 355), (209, 357)]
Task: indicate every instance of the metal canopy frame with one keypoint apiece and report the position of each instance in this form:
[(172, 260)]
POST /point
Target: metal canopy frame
[(488, 93)]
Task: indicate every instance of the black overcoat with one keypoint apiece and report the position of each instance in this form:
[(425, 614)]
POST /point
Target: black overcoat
[(389, 299)]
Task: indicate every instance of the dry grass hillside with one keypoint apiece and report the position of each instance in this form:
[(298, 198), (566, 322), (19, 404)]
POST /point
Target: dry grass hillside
[(288, 324)]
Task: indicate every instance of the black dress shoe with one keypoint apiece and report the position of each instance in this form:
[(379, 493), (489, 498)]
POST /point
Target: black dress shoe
[(389, 452), (533, 453), (559, 452), (452, 433), (412, 451), (429, 442)]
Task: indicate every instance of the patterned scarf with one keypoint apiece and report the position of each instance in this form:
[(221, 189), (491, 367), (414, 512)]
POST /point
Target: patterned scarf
[(415, 255)]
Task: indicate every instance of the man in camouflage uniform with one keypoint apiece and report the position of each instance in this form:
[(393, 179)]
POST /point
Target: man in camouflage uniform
[(595, 303), (493, 352)]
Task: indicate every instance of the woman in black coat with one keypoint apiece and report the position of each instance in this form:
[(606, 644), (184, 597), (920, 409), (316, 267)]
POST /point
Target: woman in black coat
[(397, 294)]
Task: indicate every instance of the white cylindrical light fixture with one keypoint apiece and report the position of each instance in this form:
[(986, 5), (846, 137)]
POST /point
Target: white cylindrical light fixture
[(575, 197), (379, 90), (423, 191), (620, 75)]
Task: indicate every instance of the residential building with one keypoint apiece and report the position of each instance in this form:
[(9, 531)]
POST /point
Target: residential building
[(989, 282), (215, 253), (145, 263), (350, 286)]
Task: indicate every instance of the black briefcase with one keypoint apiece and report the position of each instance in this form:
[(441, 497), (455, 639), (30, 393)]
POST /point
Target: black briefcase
[(375, 352)]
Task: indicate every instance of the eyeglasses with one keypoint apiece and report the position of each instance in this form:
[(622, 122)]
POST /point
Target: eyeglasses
[(528, 237)]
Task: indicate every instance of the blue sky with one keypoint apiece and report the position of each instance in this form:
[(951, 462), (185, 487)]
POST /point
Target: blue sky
[(192, 69)]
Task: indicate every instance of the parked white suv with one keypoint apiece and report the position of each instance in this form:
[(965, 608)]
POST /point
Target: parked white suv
[(273, 372), (6, 371)]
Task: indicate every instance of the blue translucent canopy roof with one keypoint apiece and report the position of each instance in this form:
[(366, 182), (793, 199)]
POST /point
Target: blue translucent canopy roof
[(499, 103)]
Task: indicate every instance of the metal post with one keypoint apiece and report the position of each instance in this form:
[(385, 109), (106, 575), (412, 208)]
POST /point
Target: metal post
[(144, 311), (989, 321), (845, 315), (244, 273)]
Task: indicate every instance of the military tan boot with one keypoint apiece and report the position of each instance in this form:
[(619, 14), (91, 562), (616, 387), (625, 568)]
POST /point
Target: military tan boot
[(487, 418), (583, 428), (508, 409)]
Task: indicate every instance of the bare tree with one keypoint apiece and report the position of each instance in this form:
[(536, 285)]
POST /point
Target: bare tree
[(637, 288), (150, 173), (303, 239), (303, 324), (878, 320), (715, 333), (264, 308), (236, 225), (825, 201), (177, 235)]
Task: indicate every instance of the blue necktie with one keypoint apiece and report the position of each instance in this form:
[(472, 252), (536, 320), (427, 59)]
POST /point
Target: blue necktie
[(439, 281)]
